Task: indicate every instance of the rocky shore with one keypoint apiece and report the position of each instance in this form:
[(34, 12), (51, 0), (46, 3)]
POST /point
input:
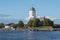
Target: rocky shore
[(35, 29)]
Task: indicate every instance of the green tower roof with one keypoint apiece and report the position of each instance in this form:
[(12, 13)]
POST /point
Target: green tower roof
[(32, 9)]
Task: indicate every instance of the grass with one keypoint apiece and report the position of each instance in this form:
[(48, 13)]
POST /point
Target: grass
[(43, 27)]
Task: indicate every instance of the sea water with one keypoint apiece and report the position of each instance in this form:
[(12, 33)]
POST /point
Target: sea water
[(29, 35)]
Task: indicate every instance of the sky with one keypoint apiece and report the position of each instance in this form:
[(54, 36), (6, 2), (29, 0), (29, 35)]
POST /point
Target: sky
[(15, 10)]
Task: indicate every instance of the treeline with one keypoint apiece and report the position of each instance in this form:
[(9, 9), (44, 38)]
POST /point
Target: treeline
[(56, 26), (2, 25), (20, 24), (38, 23), (32, 23)]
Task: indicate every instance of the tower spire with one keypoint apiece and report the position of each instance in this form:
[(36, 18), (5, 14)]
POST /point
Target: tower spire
[(32, 9), (32, 14)]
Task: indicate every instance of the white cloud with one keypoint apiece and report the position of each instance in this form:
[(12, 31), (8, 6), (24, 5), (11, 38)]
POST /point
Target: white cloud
[(4, 15), (51, 18)]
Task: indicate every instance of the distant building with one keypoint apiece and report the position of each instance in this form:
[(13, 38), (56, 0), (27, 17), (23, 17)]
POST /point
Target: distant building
[(32, 14), (8, 27)]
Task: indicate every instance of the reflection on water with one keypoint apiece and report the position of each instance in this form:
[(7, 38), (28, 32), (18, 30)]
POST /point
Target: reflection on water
[(32, 35)]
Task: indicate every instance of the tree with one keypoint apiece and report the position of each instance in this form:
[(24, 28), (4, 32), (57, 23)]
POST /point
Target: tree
[(30, 23), (36, 23), (14, 25), (47, 22), (20, 24), (2, 25), (56, 26)]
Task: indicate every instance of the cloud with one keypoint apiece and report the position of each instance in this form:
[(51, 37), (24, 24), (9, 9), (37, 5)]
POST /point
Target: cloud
[(49, 18), (4, 15), (5, 18), (55, 19), (10, 19)]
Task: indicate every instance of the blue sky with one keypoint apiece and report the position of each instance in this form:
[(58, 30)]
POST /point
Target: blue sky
[(14, 10)]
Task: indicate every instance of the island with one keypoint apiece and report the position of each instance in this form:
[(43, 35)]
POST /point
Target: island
[(33, 23)]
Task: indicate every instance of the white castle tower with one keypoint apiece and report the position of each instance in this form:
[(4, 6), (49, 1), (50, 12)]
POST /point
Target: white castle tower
[(32, 14)]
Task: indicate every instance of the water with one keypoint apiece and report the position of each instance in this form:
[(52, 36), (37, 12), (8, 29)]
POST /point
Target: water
[(33, 35)]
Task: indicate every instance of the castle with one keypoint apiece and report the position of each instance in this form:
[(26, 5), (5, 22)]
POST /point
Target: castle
[(32, 14), (43, 20)]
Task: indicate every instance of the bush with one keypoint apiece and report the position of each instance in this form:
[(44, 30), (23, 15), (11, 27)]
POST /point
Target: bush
[(20, 24)]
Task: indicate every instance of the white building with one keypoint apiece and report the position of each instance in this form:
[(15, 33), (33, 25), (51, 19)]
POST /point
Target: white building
[(9, 28), (32, 14)]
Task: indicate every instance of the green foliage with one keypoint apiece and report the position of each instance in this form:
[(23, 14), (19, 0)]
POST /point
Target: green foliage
[(34, 23), (20, 24), (14, 25), (30, 23), (56, 26), (2, 25), (38, 23), (47, 22)]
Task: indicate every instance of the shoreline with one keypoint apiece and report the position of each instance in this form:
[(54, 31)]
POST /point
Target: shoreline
[(45, 28), (54, 29)]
